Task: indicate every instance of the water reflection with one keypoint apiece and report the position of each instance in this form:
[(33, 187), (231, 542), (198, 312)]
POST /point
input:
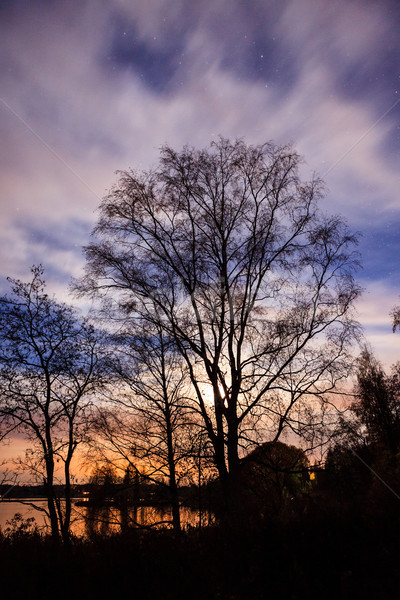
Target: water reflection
[(89, 519), (104, 520)]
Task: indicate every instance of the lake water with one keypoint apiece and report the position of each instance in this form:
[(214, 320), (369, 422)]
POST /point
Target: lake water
[(87, 520)]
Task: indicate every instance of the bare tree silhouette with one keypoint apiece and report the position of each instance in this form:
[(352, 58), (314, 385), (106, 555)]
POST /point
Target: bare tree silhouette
[(49, 369), (149, 421), (251, 282)]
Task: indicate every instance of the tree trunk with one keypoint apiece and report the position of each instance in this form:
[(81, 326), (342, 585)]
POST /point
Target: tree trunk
[(173, 488), (233, 484), (51, 500), (66, 523), (176, 515)]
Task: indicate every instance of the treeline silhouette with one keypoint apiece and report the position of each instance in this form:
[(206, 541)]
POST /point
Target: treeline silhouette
[(207, 374)]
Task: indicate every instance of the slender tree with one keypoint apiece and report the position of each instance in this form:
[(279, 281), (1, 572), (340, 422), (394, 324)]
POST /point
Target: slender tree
[(150, 418), (49, 369), (253, 285)]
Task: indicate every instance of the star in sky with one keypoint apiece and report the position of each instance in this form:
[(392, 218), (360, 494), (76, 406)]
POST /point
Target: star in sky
[(87, 89)]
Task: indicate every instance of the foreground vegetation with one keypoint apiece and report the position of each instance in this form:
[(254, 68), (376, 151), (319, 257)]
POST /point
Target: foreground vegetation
[(346, 554), (224, 325)]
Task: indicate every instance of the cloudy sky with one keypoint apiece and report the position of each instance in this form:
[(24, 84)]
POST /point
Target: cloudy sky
[(87, 88)]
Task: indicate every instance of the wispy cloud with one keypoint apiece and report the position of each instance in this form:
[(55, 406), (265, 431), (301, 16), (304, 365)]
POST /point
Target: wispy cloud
[(105, 87)]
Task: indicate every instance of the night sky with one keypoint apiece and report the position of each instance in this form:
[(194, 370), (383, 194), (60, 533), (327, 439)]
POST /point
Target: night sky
[(87, 88)]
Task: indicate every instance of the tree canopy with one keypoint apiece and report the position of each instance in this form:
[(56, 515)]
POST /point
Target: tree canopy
[(225, 250)]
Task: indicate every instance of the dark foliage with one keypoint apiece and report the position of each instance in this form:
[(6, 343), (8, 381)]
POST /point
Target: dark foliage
[(313, 557)]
